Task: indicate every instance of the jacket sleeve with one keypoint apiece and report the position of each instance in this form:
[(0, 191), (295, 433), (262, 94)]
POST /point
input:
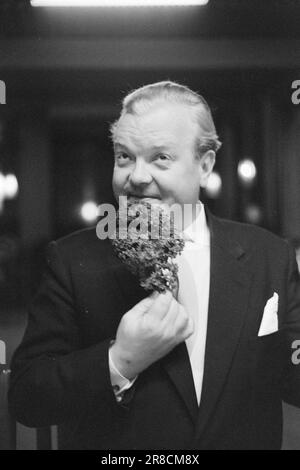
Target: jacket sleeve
[(291, 384), (53, 377)]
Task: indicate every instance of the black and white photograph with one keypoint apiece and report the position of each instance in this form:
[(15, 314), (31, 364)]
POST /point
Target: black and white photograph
[(149, 227)]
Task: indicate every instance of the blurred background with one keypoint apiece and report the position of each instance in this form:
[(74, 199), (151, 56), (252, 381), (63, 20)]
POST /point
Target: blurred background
[(66, 71)]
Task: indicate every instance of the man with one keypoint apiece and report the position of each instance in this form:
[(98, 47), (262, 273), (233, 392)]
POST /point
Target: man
[(118, 368)]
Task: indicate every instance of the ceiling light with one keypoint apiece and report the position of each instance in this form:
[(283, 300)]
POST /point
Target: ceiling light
[(116, 3)]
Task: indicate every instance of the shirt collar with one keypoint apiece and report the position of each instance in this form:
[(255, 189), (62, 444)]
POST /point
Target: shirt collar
[(198, 231)]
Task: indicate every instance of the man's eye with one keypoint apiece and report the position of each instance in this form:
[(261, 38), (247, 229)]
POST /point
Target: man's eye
[(122, 157), (162, 157)]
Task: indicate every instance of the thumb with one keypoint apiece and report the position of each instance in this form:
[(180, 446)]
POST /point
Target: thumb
[(144, 305)]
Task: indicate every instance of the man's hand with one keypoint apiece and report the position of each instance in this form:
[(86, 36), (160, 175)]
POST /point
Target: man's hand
[(148, 331)]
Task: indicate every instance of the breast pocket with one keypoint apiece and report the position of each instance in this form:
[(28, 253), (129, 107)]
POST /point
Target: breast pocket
[(267, 341), (268, 356)]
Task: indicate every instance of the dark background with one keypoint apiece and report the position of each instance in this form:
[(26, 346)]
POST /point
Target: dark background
[(66, 72)]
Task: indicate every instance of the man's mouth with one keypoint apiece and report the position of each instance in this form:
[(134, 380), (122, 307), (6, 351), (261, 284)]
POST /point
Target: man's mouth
[(142, 197)]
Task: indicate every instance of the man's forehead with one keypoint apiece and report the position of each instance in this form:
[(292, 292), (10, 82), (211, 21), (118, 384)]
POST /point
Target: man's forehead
[(157, 127), (157, 141)]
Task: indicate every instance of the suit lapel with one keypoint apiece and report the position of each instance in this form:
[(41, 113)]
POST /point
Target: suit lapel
[(228, 299), (178, 367)]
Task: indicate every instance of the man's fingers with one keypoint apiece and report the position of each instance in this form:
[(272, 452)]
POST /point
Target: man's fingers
[(177, 318), (171, 315), (189, 330), (161, 305), (179, 321), (143, 306)]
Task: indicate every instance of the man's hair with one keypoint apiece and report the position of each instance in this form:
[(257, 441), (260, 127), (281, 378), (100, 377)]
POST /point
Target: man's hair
[(142, 99)]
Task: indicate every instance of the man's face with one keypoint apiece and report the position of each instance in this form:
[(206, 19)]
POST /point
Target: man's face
[(155, 156)]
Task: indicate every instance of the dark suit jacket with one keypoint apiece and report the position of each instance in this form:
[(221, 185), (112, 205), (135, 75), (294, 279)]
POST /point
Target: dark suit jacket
[(60, 372)]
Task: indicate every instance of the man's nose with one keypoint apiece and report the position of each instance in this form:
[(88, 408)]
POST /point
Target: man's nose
[(140, 174)]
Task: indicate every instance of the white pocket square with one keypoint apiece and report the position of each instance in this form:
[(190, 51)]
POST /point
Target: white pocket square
[(269, 323)]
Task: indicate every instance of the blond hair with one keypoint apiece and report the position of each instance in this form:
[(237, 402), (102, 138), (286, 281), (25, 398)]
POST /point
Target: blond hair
[(142, 99)]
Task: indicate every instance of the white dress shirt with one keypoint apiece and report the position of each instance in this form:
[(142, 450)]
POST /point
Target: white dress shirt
[(193, 294)]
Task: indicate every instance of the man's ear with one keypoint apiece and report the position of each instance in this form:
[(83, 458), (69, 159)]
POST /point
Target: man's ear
[(207, 162)]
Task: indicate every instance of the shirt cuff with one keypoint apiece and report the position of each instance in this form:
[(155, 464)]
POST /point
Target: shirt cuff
[(119, 383)]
